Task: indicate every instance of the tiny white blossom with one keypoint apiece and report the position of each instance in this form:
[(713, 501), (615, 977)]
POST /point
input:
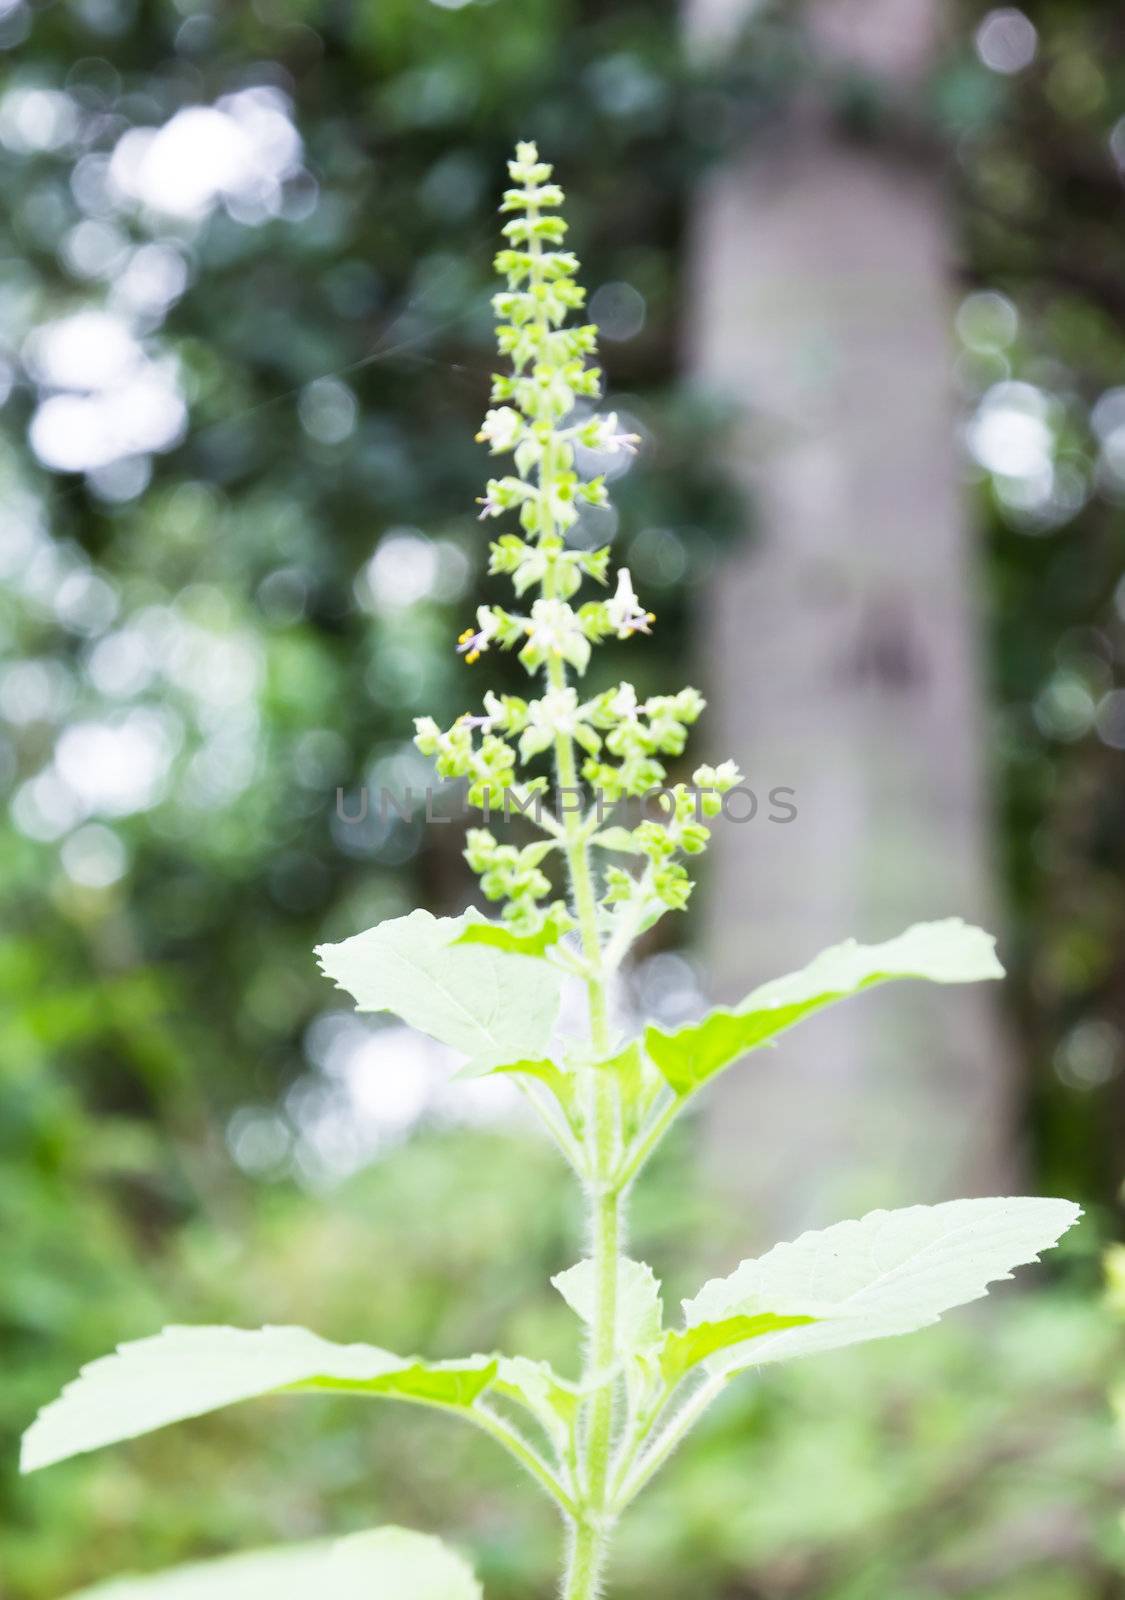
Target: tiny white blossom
[(501, 494), (624, 703), (472, 643), (501, 429), (602, 433), (553, 625), (624, 610), (556, 713)]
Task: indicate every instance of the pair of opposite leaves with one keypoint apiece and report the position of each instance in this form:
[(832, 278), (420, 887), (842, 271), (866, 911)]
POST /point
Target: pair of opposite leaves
[(888, 1273), (494, 996)]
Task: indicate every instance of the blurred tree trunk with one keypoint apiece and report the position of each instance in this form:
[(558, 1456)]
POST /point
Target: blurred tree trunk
[(842, 649)]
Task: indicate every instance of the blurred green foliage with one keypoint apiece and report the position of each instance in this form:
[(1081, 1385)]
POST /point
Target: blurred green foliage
[(198, 651), (981, 1461)]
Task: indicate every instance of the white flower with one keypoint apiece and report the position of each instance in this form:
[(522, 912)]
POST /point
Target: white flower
[(601, 433), (624, 610), (502, 494), (472, 644), (554, 629), (624, 703), (556, 713), (501, 429), (553, 625)]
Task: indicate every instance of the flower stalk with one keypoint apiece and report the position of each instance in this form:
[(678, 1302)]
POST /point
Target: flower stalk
[(611, 741)]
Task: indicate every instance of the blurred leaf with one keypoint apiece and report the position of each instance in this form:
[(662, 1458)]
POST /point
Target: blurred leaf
[(639, 1307), (494, 1007), (185, 1372), (685, 1348), (480, 930), (889, 1273), (391, 1562), (944, 952)]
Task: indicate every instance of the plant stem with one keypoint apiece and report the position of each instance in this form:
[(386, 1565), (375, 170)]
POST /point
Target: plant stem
[(592, 1542), (647, 1142), (584, 1566), (680, 1425), (517, 1447), (589, 1544), (588, 1551)]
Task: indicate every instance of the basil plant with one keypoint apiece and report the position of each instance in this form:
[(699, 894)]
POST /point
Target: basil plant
[(572, 902)]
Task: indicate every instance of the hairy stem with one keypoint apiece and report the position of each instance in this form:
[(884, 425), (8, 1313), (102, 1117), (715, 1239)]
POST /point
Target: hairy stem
[(647, 1140), (517, 1447), (584, 1566), (675, 1432), (588, 1549), (590, 1531)]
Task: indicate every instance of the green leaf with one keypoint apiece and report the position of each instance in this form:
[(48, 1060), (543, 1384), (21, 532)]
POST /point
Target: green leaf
[(386, 1564), (685, 1348), (536, 1385), (617, 838), (944, 952), (498, 935), (185, 1372), (889, 1273), (562, 1083), (493, 1006), (639, 1084), (639, 1307)]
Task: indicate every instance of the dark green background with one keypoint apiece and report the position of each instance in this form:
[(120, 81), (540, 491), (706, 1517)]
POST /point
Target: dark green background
[(138, 1019)]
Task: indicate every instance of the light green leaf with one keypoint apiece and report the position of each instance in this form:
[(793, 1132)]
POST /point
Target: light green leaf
[(560, 1082), (889, 1273), (639, 1307), (617, 838), (639, 1084), (943, 952), (536, 1385), (481, 930), (386, 1564), (184, 1372), (493, 1006), (685, 1348)]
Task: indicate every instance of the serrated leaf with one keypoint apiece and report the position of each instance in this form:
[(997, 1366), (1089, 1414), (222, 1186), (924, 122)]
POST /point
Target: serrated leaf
[(482, 930), (888, 1273), (639, 1307), (950, 951), (385, 1564), (493, 1006), (185, 1372)]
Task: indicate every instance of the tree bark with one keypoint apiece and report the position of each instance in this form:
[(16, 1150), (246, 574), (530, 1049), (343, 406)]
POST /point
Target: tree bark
[(842, 652)]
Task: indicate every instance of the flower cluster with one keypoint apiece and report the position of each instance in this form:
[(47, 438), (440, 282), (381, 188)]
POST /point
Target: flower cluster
[(636, 735), (516, 877), (539, 416), (665, 884)]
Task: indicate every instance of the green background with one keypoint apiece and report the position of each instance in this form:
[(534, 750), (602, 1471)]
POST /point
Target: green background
[(171, 1146)]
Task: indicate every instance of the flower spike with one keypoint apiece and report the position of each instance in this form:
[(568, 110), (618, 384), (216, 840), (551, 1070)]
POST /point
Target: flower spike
[(540, 417)]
